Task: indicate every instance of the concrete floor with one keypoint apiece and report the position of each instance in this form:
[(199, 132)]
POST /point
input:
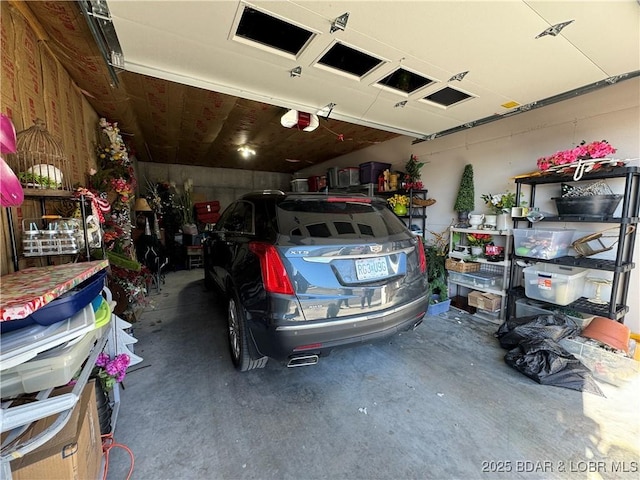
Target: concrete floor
[(438, 402)]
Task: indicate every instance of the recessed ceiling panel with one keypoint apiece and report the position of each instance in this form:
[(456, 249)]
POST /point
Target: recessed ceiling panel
[(447, 96), (273, 32), (349, 60), (404, 81)]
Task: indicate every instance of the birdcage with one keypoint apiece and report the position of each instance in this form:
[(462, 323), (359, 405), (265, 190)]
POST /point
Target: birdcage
[(40, 161)]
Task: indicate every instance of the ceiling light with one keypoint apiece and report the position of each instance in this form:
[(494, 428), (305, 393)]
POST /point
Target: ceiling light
[(296, 72), (246, 152), (340, 23), (459, 76), (554, 29), (307, 122)]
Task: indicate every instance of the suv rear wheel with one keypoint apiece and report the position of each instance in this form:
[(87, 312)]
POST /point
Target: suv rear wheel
[(239, 346)]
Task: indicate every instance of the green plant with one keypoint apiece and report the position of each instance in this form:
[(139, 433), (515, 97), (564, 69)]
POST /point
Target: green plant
[(479, 239), (185, 203), (466, 193), (436, 253), (412, 169), (37, 180), (500, 202)]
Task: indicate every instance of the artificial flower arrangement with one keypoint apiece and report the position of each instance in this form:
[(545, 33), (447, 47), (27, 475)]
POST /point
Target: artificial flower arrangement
[(593, 150), (412, 175), (414, 185), (479, 239), (114, 182), (111, 370), (398, 200), (501, 202)]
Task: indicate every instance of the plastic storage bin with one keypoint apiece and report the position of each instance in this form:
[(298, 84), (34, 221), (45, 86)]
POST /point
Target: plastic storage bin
[(557, 284), (332, 177), (300, 185), (531, 308), (317, 183), (24, 344), (607, 366), (348, 176), (49, 369), (370, 171), (477, 279), (542, 243)]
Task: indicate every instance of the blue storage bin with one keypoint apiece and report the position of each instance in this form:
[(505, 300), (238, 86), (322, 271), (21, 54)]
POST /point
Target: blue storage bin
[(63, 307)]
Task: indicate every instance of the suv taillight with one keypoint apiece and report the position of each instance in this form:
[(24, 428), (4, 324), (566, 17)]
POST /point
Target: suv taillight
[(274, 275), (421, 256)]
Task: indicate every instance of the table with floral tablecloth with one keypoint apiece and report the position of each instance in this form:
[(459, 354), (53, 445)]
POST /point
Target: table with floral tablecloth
[(25, 291)]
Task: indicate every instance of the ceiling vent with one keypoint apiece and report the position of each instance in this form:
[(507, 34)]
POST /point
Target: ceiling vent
[(447, 97), (258, 27), (349, 60), (404, 81)]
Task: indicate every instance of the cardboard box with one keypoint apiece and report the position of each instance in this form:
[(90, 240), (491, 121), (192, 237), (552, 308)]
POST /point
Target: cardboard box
[(485, 301), (75, 453)]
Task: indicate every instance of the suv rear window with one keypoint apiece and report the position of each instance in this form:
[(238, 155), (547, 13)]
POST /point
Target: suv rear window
[(321, 218)]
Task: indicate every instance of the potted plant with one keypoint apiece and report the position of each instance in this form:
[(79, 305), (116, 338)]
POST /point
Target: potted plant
[(412, 174), (478, 241), (465, 200), (436, 253), (399, 204), (501, 204)]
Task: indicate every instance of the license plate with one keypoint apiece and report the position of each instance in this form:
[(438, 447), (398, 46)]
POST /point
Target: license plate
[(371, 268)]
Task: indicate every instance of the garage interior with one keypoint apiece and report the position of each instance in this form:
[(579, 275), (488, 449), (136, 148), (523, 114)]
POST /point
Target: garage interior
[(435, 402), (188, 90)]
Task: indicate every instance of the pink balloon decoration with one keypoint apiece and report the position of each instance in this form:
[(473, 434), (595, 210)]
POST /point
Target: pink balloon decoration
[(7, 135)]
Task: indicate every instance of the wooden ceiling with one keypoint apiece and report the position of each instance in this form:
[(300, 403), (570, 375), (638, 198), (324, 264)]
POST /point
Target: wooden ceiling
[(168, 122), (191, 93)]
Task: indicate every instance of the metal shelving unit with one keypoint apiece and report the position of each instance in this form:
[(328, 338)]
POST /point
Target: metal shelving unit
[(498, 269), (414, 212), (620, 268)]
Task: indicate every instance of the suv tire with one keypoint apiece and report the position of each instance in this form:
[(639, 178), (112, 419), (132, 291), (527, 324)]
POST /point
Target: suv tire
[(239, 346)]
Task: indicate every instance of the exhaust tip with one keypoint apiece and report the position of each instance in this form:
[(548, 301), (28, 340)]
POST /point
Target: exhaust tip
[(302, 361)]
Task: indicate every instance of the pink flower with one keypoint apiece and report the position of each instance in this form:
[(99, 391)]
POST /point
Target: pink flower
[(592, 150), (544, 163), (102, 360)]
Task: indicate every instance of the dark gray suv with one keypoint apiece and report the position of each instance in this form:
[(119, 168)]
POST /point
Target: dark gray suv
[(307, 273)]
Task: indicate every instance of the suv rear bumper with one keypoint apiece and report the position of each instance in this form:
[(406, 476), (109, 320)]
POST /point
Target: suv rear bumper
[(283, 342)]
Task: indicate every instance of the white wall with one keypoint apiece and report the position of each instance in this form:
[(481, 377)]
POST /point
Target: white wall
[(222, 184), (500, 150)]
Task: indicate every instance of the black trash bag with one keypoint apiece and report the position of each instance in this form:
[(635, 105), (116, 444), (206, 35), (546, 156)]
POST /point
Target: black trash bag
[(548, 363), (554, 326)]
